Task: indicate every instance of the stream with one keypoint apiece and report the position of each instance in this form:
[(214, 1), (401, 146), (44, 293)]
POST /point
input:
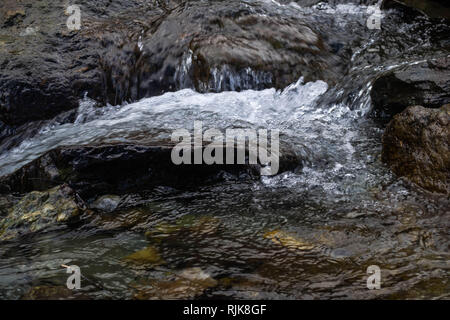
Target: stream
[(304, 234)]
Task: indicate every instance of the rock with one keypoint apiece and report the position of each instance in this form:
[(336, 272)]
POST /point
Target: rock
[(48, 293), (251, 48), (432, 8), (120, 169), (289, 241), (191, 224), (197, 274), (147, 256), (127, 50), (107, 203), (37, 211), (426, 84), (46, 69), (416, 146), (6, 203), (187, 284)]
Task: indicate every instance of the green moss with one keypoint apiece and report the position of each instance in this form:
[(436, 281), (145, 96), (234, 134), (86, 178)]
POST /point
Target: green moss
[(149, 255)]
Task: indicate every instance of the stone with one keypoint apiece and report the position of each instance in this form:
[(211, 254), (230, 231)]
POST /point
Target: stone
[(119, 169), (426, 84), (432, 8), (147, 256), (107, 203), (289, 241), (37, 211), (128, 50), (187, 284), (416, 146)]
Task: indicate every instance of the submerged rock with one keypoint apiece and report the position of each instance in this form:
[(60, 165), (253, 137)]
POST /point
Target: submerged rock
[(49, 293), (37, 211), (416, 146), (192, 224), (107, 203), (426, 84), (147, 256), (186, 284), (289, 241)]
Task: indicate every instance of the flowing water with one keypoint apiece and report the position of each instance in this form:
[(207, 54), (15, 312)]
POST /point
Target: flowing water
[(306, 234)]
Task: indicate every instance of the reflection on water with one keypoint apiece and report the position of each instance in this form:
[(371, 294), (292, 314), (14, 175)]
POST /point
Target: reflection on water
[(251, 240)]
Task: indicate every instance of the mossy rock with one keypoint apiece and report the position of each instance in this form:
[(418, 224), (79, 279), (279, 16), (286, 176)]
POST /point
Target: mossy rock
[(37, 211), (147, 256)]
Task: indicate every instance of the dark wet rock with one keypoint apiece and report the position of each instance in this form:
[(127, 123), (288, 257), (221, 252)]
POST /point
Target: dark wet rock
[(45, 67), (127, 50), (217, 46), (12, 136), (6, 203), (39, 210), (432, 8), (121, 169), (426, 84), (416, 146)]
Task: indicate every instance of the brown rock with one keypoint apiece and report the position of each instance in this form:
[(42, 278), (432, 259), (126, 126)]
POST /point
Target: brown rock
[(416, 146)]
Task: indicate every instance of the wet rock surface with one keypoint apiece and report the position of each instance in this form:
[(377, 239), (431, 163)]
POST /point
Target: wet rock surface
[(425, 83), (129, 50), (416, 146), (37, 211), (46, 67), (120, 169), (432, 8)]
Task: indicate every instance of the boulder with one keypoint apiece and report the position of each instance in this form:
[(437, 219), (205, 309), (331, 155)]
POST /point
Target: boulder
[(426, 84), (127, 50), (124, 168), (37, 211), (432, 8), (416, 146), (106, 203), (45, 67)]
